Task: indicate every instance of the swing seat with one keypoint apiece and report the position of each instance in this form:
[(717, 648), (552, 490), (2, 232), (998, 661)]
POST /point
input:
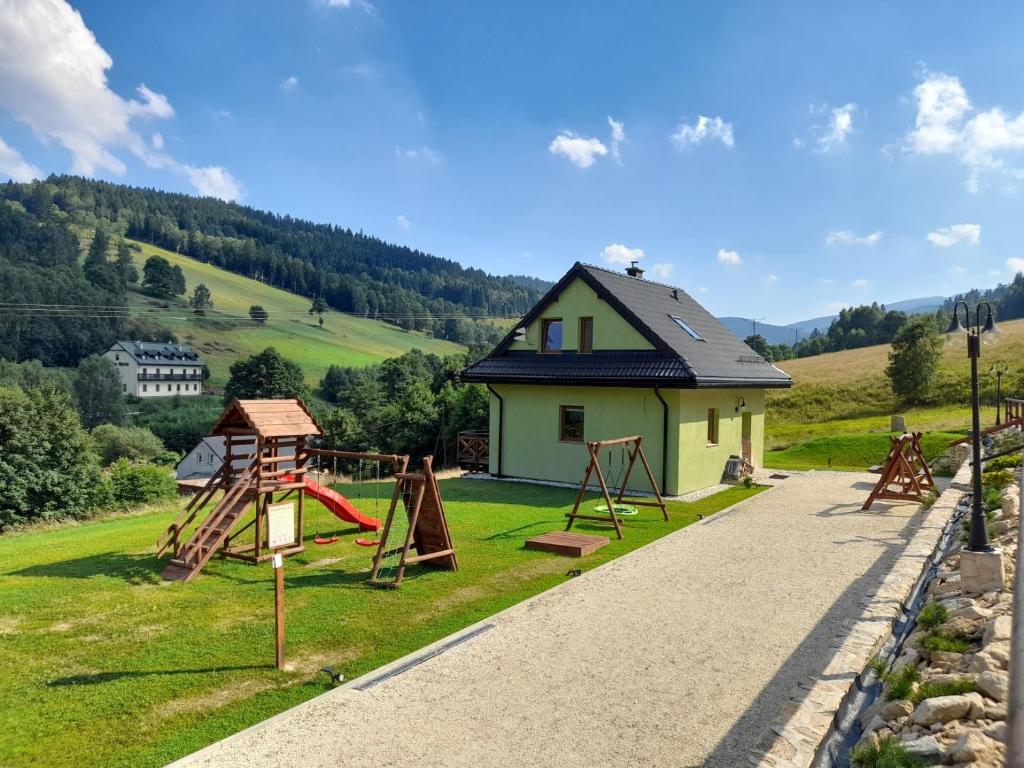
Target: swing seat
[(318, 539), (621, 510), (367, 542)]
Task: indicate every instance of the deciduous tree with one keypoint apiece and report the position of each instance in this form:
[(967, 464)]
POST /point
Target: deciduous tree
[(914, 359)]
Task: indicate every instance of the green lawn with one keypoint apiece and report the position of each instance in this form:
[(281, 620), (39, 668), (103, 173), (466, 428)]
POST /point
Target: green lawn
[(101, 664), (343, 340), (855, 452)]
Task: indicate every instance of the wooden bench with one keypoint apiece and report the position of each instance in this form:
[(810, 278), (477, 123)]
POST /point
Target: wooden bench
[(563, 543)]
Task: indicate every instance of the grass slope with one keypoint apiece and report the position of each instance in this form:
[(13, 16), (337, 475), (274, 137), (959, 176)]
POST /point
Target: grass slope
[(102, 664), (343, 340), (842, 393), (854, 452)]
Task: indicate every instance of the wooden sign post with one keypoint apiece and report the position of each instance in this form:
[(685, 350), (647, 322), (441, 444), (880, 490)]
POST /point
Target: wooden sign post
[(279, 610)]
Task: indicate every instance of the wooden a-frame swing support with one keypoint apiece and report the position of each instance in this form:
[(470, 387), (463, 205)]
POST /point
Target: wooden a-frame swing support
[(905, 467), (420, 497), (634, 447)]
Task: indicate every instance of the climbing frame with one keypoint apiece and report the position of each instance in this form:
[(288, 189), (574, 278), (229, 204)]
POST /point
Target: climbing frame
[(634, 449), (420, 525), (905, 476)]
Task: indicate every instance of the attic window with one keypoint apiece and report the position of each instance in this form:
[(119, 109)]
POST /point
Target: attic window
[(683, 324), (551, 335)]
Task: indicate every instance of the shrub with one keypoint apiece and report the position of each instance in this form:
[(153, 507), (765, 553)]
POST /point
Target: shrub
[(1011, 461), (932, 689), (945, 643), (932, 616), (930, 498), (132, 443), (996, 479), (165, 459), (901, 683), (889, 753), (135, 484)]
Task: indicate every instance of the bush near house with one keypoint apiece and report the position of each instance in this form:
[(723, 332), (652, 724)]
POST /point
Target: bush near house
[(132, 443), (135, 484)]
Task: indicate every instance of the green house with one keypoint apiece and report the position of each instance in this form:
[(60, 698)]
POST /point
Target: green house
[(609, 354)]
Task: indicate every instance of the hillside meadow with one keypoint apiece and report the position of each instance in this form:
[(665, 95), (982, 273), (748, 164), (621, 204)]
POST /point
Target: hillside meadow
[(223, 338)]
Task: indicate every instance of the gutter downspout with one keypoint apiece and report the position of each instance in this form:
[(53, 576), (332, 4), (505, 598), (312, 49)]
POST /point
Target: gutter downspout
[(501, 424), (664, 439)]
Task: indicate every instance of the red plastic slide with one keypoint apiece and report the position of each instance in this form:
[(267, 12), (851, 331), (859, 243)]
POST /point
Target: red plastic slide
[(340, 506)]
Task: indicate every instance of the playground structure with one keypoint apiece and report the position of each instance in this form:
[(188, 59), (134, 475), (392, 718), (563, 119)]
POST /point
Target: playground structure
[(421, 525), (905, 475), (260, 436), (614, 509)]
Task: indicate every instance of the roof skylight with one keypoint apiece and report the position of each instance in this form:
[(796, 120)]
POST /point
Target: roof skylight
[(683, 324)]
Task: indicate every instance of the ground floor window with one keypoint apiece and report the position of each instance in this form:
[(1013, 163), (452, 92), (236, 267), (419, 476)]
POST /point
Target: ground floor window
[(570, 419), (712, 426)]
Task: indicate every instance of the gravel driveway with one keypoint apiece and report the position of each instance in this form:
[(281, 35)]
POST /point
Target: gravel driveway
[(678, 654)]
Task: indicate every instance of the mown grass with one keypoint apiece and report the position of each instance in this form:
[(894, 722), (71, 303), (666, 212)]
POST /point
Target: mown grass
[(102, 664), (343, 340), (854, 452)]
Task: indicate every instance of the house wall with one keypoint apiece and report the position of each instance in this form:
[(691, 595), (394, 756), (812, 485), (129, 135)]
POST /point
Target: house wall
[(128, 370), (576, 301), (530, 447)]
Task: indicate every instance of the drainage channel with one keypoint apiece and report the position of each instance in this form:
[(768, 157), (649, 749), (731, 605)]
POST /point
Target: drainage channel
[(834, 751)]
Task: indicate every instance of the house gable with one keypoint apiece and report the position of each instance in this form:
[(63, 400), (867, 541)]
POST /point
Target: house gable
[(575, 300)]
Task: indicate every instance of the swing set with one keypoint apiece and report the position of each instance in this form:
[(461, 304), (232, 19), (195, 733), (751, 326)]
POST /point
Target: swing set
[(631, 449)]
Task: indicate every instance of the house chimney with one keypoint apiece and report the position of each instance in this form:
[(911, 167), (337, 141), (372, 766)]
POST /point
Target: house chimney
[(634, 271)]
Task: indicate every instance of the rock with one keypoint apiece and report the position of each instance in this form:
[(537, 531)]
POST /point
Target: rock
[(995, 685), (960, 625), (894, 710), (909, 656), (872, 712), (996, 732), (974, 746), (868, 739), (926, 747), (998, 630), (977, 706), (941, 709), (999, 652), (876, 724), (948, 587), (971, 612), (945, 658), (999, 527), (995, 710), (1011, 505), (983, 662)]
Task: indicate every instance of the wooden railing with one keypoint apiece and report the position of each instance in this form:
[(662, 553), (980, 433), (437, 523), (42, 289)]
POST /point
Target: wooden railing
[(473, 449), (1014, 408)]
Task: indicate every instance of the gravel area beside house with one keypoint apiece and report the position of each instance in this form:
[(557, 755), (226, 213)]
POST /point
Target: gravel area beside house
[(681, 653)]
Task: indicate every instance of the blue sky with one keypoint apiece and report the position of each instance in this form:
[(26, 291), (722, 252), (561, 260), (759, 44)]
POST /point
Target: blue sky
[(777, 160)]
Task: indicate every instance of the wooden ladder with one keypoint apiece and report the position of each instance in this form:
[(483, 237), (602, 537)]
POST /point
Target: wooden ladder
[(210, 535)]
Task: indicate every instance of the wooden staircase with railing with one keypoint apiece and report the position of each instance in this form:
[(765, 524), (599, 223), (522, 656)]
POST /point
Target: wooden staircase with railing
[(188, 559)]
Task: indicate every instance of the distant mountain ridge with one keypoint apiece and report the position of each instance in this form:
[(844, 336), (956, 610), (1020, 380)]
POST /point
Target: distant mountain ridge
[(788, 334)]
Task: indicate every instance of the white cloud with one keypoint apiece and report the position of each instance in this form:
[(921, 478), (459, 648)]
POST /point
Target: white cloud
[(14, 166), (860, 282), (942, 128), (224, 113), (361, 70), (732, 258), (956, 269), (578, 150), (705, 128), (662, 270), (290, 83), (702, 289), (846, 237), (403, 221), (617, 253), (1015, 264), (958, 233), (770, 280), (157, 140), (618, 137), (54, 75), (838, 130), (425, 154), (213, 181), (797, 142), (826, 281)]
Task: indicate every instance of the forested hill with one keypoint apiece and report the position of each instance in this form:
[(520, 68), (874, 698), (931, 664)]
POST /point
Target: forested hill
[(353, 272)]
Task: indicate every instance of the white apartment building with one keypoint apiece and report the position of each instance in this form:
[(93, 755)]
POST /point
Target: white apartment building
[(156, 369)]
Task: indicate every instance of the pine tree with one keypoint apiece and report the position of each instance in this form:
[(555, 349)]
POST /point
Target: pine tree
[(98, 392)]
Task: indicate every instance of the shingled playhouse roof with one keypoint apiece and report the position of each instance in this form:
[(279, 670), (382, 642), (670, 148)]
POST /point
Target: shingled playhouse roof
[(678, 360), (267, 418)]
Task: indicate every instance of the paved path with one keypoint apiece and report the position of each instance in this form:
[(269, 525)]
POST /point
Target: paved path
[(679, 654)]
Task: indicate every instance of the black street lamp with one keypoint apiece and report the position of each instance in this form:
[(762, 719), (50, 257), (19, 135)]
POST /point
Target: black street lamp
[(976, 333), (998, 370)]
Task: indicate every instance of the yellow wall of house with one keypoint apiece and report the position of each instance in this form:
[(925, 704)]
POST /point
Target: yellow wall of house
[(579, 300), (530, 446)]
